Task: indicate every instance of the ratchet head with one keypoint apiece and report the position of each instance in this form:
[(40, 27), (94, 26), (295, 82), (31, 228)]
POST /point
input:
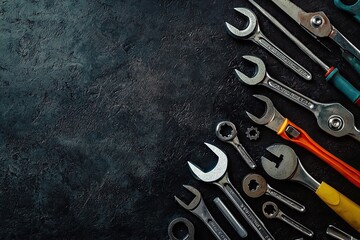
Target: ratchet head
[(194, 203), (259, 74), (248, 31), (217, 172), (285, 165)]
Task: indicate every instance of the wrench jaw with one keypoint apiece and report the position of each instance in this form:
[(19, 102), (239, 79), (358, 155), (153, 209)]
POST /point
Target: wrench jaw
[(247, 32), (259, 74), (194, 203), (217, 172), (271, 118)]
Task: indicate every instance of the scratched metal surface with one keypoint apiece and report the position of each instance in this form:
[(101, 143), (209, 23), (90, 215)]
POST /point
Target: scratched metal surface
[(103, 102)]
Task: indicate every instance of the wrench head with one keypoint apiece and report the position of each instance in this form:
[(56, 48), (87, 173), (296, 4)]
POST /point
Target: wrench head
[(194, 203), (259, 74), (270, 209), (269, 114), (220, 131), (254, 185), (285, 167), (250, 28), (217, 172)]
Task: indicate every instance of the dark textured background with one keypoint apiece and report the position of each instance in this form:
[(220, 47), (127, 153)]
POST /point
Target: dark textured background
[(103, 102)]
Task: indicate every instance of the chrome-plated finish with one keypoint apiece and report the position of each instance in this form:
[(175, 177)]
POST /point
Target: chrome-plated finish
[(325, 113), (233, 139), (290, 168), (338, 234), (241, 231), (255, 185), (190, 228), (220, 178), (253, 33), (271, 210), (199, 209), (344, 43)]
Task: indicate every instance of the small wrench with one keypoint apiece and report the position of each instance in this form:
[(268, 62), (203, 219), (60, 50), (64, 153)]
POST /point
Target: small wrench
[(234, 140), (255, 185), (290, 168), (253, 33), (189, 226), (271, 210), (199, 209), (332, 118), (219, 176)]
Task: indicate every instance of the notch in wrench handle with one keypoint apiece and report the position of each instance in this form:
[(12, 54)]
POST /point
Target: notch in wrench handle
[(244, 209)]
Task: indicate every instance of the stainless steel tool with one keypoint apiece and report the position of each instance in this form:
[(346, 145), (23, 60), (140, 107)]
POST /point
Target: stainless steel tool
[(199, 209), (332, 118), (241, 231), (219, 176), (271, 210), (253, 33), (232, 139), (190, 228), (255, 185), (287, 166), (338, 234), (318, 25)]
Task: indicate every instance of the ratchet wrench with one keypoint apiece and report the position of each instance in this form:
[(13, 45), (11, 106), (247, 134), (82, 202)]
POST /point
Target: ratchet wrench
[(290, 168), (332, 118), (291, 132), (318, 25), (253, 33), (219, 176), (198, 208)]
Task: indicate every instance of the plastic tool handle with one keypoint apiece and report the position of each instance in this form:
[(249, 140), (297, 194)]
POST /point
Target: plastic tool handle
[(304, 140), (335, 78), (354, 8), (343, 206), (352, 60)]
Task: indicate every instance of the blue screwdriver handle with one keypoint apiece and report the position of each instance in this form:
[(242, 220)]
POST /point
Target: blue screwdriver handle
[(335, 78), (353, 61), (354, 8)]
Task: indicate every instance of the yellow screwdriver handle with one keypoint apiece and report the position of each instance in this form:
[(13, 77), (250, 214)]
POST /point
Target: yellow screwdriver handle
[(343, 206)]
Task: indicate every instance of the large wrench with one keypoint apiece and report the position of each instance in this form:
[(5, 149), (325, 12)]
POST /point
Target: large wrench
[(253, 33), (219, 176), (332, 118), (199, 209)]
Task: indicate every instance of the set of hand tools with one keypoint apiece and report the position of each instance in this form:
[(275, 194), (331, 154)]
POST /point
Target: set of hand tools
[(333, 118)]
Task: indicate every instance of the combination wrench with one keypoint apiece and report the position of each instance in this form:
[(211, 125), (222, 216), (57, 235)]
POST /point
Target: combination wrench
[(219, 176), (332, 118)]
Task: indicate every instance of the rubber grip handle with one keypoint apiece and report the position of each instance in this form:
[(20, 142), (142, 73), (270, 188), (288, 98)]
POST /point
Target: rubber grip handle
[(353, 61), (305, 141), (354, 8), (343, 206), (336, 79)]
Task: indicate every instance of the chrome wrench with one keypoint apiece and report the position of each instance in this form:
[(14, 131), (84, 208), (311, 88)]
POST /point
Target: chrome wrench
[(332, 118)]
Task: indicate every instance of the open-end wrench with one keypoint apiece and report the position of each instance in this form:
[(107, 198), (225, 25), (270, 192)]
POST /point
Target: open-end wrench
[(332, 118), (234, 140), (271, 210), (255, 185), (291, 132), (219, 176), (253, 33), (199, 209), (289, 167)]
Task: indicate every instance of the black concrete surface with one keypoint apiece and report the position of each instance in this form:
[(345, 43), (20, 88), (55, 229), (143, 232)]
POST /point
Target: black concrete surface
[(103, 102)]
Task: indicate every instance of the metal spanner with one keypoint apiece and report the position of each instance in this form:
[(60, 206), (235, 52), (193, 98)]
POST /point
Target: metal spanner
[(291, 132), (234, 140), (199, 209), (219, 176), (332, 118), (190, 228), (255, 185), (271, 210), (289, 167), (253, 33)]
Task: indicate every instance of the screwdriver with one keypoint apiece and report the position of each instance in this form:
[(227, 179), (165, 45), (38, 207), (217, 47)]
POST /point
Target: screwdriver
[(332, 74)]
